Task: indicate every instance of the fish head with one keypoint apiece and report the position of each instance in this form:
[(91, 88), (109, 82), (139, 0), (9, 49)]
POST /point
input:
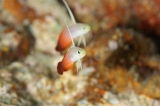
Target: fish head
[(78, 29), (85, 28), (80, 53), (76, 53)]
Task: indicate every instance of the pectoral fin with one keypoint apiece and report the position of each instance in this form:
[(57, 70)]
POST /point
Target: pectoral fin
[(79, 65)]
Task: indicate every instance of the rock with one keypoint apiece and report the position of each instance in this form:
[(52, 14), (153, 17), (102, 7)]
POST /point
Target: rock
[(111, 98)]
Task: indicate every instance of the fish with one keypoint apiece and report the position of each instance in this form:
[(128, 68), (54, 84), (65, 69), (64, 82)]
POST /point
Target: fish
[(76, 30), (71, 56)]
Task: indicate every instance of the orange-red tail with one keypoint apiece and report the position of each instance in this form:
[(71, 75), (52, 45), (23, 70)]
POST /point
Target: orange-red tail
[(58, 48), (60, 68), (64, 41)]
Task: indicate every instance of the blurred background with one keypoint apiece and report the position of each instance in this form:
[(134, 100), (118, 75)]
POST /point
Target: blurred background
[(121, 67)]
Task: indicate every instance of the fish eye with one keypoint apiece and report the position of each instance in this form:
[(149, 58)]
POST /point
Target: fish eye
[(78, 52)]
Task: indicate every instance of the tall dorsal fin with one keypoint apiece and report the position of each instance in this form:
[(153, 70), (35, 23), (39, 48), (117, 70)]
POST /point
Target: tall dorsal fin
[(73, 45), (70, 12)]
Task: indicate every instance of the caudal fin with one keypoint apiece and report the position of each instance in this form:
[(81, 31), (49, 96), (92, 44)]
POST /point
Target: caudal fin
[(58, 48), (60, 68)]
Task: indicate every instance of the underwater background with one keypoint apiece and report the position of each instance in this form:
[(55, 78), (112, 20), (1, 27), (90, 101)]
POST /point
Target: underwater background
[(122, 62)]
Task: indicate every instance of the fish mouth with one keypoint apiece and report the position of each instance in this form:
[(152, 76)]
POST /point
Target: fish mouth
[(88, 28), (83, 54)]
